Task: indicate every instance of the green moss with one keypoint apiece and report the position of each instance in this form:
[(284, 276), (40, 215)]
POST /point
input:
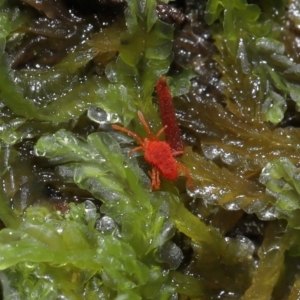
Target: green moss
[(245, 33), (123, 241)]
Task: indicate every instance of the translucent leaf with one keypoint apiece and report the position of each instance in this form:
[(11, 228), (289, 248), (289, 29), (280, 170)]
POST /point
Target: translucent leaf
[(229, 251), (270, 46), (9, 20), (189, 285), (219, 186), (118, 99), (213, 8), (295, 94), (278, 81), (181, 84), (274, 107), (8, 216), (271, 262), (11, 95), (282, 181), (44, 86), (159, 44), (8, 131)]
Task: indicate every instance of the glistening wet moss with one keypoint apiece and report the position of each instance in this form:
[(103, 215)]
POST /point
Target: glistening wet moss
[(78, 219)]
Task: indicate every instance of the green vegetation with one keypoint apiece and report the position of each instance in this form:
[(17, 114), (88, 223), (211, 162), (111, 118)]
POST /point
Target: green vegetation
[(118, 240)]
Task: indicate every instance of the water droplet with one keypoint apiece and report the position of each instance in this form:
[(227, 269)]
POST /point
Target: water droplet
[(105, 224), (39, 153), (90, 210), (102, 117), (211, 151)]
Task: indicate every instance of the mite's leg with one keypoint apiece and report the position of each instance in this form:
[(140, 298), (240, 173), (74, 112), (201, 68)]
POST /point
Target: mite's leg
[(146, 125), (177, 153), (136, 149), (187, 175), (161, 131), (130, 133), (155, 181)]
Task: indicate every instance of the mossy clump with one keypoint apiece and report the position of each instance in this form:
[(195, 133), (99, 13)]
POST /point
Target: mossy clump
[(78, 220)]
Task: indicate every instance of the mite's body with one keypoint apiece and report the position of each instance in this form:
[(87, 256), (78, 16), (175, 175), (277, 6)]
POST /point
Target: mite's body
[(168, 116), (158, 154)]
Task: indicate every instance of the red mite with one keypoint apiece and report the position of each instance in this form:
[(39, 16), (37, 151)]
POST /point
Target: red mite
[(167, 114), (158, 154)]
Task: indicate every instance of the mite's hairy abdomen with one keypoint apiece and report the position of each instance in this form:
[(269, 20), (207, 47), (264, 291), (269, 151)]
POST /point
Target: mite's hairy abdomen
[(159, 154)]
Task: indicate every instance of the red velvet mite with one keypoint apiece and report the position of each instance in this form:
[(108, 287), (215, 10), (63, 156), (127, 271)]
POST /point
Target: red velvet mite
[(158, 154), (167, 114)]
